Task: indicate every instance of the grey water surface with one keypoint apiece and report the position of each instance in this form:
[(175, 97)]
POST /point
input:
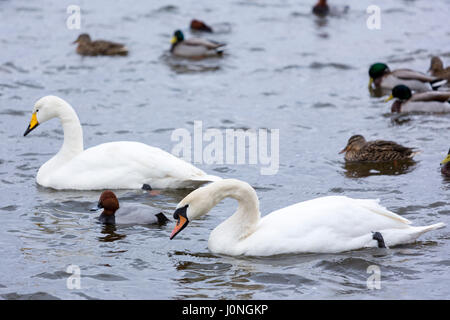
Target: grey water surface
[(283, 69)]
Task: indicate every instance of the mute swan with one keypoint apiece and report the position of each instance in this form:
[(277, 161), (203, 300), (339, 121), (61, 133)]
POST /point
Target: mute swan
[(324, 225), (113, 165), (128, 213)]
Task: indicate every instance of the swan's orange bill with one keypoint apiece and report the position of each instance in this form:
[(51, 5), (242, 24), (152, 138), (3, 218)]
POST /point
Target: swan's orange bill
[(181, 224)]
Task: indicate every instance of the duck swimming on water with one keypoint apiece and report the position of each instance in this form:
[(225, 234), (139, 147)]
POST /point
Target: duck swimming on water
[(360, 150), (198, 25), (381, 77), (113, 213), (194, 48), (437, 68), (87, 47), (430, 101)]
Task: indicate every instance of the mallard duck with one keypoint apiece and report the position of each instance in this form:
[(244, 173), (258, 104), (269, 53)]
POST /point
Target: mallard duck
[(382, 77), (87, 47), (200, 26), (360, 150), (321, 8), (431, 101), (445, 165), (437, 69), (194, 47)]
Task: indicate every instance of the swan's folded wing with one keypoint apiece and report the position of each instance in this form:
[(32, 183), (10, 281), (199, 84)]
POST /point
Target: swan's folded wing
[(123, 165), (375, 207), (337, 214)]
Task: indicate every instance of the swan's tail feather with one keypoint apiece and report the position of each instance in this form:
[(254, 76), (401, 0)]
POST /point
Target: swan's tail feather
[(400, 236), (422, 230)]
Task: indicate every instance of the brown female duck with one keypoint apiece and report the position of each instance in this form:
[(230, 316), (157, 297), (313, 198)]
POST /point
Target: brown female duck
[(360, 150), (87, 47), (437, 69)]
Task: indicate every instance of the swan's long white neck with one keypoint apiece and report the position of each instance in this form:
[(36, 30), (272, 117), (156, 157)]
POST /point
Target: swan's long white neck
[(73, 133), (245, 220), (73, 139)]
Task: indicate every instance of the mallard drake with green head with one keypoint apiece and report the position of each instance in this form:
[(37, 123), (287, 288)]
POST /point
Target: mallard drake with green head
[(437, 69), (87, 47), (445, 165), (382, 77), (195, 48), (360, 150), (431, 101)]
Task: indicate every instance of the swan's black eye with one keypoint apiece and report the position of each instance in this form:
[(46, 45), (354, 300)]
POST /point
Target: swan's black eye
[(37, 110), (180, 211)]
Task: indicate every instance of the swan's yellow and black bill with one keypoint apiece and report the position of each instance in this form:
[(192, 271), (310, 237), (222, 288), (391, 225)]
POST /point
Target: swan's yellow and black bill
[(173, 40), (181, 224), (389, 98), (33, 124)]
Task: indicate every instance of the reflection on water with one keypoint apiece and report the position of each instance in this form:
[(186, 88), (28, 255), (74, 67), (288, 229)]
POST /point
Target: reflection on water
[(379, 92), (110, 234), (362, 169), (186, 66)]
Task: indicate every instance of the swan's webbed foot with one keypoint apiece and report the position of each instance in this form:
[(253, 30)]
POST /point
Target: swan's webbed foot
[(377, 236)]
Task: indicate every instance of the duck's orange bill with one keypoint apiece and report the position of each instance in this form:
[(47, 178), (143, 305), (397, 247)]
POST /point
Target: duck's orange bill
[(181, 224), (33, 124)]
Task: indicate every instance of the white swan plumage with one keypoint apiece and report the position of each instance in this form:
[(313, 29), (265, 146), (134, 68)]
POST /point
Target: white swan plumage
[(113, 165), (323, 225)]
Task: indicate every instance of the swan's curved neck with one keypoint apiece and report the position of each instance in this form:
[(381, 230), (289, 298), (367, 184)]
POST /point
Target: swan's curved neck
[(73, 134), (244, 221)]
